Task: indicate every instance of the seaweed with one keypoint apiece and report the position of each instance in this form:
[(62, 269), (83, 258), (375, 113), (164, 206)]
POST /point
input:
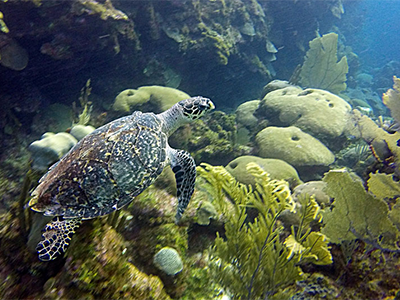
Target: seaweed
[(86, 105), (251, 261)]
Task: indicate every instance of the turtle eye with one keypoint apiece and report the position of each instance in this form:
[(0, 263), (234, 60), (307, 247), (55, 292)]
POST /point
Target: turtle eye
[(203, 107), (195, 107)]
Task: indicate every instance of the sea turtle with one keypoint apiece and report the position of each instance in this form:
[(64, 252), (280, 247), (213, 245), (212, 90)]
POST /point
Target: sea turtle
[(111, 166)]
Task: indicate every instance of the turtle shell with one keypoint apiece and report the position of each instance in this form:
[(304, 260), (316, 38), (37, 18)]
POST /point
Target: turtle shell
[(105, 170)]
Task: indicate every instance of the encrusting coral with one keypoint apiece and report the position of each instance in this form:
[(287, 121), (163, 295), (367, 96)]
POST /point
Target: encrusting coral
[(251, 261)]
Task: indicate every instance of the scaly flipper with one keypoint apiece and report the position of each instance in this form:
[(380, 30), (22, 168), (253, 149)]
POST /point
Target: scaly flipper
[(184, 167), (57, 234)]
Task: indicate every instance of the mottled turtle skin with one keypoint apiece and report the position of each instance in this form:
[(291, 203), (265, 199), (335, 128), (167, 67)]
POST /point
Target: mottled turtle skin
[(109, 167)]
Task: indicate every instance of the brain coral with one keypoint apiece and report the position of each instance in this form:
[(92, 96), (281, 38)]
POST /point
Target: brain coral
[(245, 113), (317, 112), (148, 98), (293, 146), (168, 261), (276, 168)]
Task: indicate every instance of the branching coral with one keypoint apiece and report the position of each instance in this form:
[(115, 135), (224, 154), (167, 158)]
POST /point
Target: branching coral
[(252, 262)]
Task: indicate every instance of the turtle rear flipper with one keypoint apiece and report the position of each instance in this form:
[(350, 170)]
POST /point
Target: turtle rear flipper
[(56, 237), (184, 167)]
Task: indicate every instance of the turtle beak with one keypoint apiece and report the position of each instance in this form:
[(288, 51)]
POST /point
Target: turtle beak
[(212, 106), (207, 105)]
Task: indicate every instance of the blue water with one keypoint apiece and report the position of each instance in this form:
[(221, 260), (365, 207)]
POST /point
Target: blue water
[(381, 31)]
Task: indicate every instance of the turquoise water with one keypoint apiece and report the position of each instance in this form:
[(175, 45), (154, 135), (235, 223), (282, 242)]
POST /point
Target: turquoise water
[(380, 31), (306, 104)]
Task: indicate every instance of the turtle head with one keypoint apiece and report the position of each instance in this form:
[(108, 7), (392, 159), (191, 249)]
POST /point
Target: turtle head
[(184, 112), (195, 107)]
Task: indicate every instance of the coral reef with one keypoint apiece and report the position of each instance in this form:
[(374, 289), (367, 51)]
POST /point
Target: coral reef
[(245, 114), (211, 140), (315, 189), (50, 148), (293, 146), (168, 261), (383, 143), (148, 98), (99, 269), (251, 261), (80, 131), (357, 214), (276, 169), (270, 243), (392, 99), (317, 112), (12, 55), (3, 26), (205, 212), (321, 69)]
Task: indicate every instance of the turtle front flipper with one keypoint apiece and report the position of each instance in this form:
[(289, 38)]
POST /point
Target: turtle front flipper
[(57, 234), (184, 167)]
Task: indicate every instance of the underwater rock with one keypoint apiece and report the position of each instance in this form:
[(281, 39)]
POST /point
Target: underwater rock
[(205, 212), (275, 85), (168, 261), (317, 112), (365, 97), (245, 114), (248, 28), (294, 146), (148, 98), (97, 267), (270, 47), (80, 131), (54, 118), (50, 148), (212, 140), (12, 55), (315, 189), (276, 169), (364, 79)]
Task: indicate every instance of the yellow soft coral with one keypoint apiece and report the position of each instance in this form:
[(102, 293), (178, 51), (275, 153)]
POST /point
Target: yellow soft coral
[(392, 99), (3, 26)]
